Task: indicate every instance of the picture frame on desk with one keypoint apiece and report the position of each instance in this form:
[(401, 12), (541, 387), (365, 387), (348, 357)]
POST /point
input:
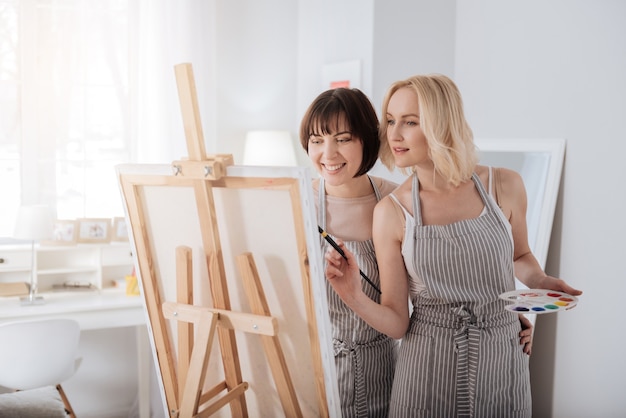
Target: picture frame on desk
[(65, 232), (94, 230), (120, 230)]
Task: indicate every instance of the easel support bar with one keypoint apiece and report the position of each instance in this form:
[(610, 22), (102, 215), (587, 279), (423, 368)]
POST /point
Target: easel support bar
[(213, 168), (239, 321)]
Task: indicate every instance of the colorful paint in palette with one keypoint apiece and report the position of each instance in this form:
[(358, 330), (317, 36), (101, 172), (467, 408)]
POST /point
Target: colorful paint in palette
[(538, 301)]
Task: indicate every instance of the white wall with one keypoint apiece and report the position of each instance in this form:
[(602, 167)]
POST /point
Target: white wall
[(330, 32), (411, 37), (256, 70)]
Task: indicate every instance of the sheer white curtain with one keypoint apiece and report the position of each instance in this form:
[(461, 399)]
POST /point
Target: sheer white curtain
[(170, 33), (88, 85), (64, 101)]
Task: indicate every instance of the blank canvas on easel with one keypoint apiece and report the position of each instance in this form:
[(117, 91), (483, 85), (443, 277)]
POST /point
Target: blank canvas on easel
[(269, 213)]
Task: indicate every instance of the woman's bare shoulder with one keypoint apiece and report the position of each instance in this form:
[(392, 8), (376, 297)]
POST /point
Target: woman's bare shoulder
[(401, 198), (508, 178)]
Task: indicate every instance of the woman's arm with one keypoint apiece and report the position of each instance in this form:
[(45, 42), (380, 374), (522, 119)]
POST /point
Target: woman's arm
[(391, 316), (513, 202)]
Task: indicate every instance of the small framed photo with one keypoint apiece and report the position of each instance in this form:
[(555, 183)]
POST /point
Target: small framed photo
[(120, 230), (93, 230), (64, 232)]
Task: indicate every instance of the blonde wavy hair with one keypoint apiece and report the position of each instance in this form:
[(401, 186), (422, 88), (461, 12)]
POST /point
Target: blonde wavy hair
[(450, 139)]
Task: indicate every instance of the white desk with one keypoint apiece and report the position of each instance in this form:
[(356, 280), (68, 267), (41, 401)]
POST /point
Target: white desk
[(93, 310)]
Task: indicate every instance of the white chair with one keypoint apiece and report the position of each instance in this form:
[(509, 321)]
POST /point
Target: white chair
[(40, 353)]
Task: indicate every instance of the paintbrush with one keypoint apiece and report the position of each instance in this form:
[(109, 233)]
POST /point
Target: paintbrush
[(340, 251)]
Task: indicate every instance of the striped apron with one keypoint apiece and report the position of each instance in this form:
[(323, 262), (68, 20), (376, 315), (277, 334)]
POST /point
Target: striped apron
[(364, 358), (461, 356)]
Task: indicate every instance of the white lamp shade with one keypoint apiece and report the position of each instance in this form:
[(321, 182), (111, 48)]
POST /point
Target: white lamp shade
[(34, 223), (269, 148)]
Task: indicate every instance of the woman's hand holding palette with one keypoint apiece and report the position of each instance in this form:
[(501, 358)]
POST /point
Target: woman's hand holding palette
[(538, 301)]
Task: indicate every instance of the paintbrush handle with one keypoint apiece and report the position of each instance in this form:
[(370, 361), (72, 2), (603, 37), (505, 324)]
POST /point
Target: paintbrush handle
[(340, 251)]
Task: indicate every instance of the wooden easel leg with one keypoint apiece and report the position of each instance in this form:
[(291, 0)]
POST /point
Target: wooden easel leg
[(210, 234), (184, 295), (198, 365), (66, 402), (271, 344), (228, 343), (194, 352)]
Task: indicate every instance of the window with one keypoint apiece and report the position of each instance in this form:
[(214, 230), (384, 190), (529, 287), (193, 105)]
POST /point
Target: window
[(65, 106)]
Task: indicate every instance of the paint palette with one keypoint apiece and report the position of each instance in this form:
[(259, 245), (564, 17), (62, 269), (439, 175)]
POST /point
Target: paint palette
[(538, 301)]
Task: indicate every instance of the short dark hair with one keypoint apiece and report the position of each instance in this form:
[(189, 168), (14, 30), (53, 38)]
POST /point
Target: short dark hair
[(330, 107)]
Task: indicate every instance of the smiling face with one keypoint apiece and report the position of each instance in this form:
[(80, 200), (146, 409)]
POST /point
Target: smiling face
[(405, 137), (336, 153)]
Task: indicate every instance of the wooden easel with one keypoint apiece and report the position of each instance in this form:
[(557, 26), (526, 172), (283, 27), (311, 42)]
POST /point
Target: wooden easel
[(184, 376)]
